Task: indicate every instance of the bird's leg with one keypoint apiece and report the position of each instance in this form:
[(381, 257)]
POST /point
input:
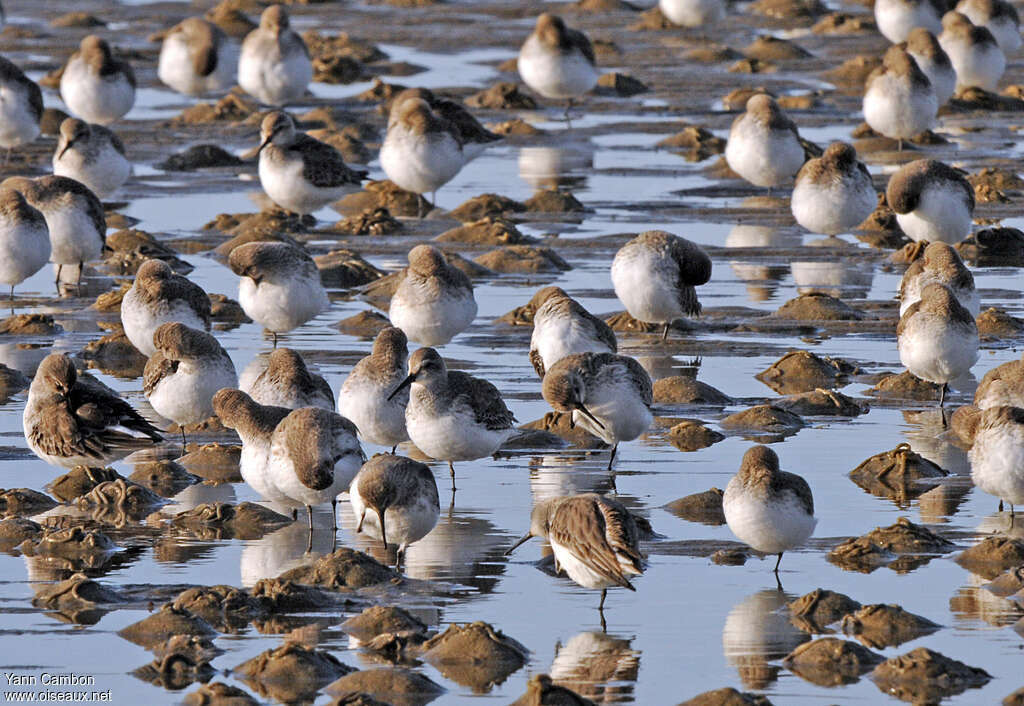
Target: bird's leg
[(393, 449), (309, 541), (451, 470), (1000, 504), (295, 514), (611, 459), (777, 562), (399, 555), (942, 394), (419, 206), (275, 338), (334, 514), (309, 516), (664, 334), (362, 518), (78, 283), (184, 441), (604, 594), (56, 282)]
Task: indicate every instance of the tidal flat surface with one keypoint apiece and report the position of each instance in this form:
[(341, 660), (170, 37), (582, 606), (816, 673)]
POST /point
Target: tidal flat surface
[(692, 625)]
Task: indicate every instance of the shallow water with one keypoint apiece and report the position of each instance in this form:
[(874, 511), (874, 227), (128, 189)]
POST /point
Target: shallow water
[(691, 625)]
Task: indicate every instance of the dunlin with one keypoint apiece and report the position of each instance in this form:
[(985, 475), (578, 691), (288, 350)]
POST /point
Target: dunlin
[(692, 13), (608, 395), (998, 17), (899, 100), (897, 18), (932, 201), (287, 382), (940, 263), (73, 420), (937, 338), (74, 217), (274, 65), (197, 57), (833, 192), (997, 456), (96, 86), (159, 296), (933, 61), (21, 107), (299, 173), (1002, 386), (654, 276), (93, 155), (434, 302), (764, 145), (255, 425), (314, 455), (24, 239), (364, 396), (594, 539), (184, 374), (280, 285), (557, 62), (422, 151), (973, 51), (561, 327), (474, 137), (767, 508), (395, 499), (452, 416)]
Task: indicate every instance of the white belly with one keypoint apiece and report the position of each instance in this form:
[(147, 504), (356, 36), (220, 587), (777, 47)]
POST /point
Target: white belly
[(18, 125), (404, 525), (141, 321), (287, 187), (761, 156), (833, 208), (941, 215), (379, 420), (997, 462), (975, 65), (893, 109), (24, 249), (274, 81), (280, 308), (431, 322), (186, 397), (94, 99), (937, 352), (767, 527), (692, 13), (73, 237), (553, 74), (418, 164), (646, 296), (896, 19), (103, 176)]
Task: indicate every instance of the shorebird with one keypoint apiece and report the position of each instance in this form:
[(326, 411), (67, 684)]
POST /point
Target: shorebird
[(833, 192), (940, 263), (767, 508), (93, 155), (280, 285), (937, 338), (274, 65), (997, 456), (434, 302), (96, 86), (395, 499), (452, 416), (255, 425), (422, 151), (24, 239), (184, 374), (314, 455), (474, 137), (159, 296), (933, 61), (609, 395), (692, 13), (287, 382), (557, 62), (1001, 386), (73, 420), (594, 539), (301, 174), (932, 201), (21, 107), (973, 51), (764, 146), (654, 276), (897, 18), (998, 17), (899, 100), (74, 217), (196, 57), (364, 396), (561, 327)]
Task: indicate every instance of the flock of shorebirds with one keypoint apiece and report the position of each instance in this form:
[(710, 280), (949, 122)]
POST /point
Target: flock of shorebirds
[(302, 447)]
